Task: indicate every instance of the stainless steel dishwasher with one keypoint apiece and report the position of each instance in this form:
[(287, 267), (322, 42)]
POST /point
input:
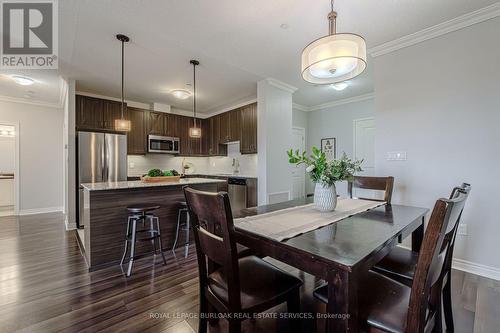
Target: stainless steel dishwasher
[(237, 190)]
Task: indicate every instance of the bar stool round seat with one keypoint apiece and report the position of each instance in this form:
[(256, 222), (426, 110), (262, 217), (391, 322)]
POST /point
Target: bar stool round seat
[(142, 208)]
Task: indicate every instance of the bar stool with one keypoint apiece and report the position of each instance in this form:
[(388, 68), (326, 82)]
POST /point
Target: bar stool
[(182, 210), (142, 213)]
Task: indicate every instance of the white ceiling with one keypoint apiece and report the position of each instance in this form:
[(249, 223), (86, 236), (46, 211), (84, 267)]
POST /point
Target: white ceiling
[(46, 89), (237, 42)]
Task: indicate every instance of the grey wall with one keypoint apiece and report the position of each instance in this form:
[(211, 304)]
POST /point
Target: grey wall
[(439, 101), (336, 122)]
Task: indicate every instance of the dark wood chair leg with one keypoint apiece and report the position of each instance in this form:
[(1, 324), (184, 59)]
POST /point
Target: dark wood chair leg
[(234, 326), (202, 321), (293, 307), (448, 311)]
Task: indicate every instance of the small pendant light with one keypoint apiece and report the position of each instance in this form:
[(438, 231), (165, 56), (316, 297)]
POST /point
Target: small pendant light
[(194, 132), (122, 124)]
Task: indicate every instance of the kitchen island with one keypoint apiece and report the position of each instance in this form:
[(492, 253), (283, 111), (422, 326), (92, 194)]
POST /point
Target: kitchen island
[(105, 215)]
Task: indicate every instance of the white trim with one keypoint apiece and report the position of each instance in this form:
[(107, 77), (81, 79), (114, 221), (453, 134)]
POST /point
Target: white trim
[(69, 226), (332, 104), (30, 102), (300, 107), (452, 25), (33, 211), (17, 159), (471, 267), (478, 269), (289, 193), (130, 103), (231, 107), (281, 85)]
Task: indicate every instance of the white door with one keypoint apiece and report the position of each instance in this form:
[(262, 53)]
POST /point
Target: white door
[(364, 148), (298, 173)]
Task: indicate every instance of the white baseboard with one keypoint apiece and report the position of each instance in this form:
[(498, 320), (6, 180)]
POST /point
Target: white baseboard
[(471, 267), (33, 211), (69, 225), (478, 269)]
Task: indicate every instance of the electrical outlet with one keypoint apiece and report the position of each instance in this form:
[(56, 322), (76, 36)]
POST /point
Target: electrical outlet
[(462, 229), (131, 165), (396, 156)]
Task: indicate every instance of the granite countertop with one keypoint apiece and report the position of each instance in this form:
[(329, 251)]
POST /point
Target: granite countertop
[(140, 184), (226, 175)]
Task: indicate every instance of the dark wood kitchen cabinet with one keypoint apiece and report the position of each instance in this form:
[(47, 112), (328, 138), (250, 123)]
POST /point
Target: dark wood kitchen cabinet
[(248, 142), (136, 138), (154, 123), (215, 148), (185, 143), (229, 126), (112, 110), (88, 113), (171, 125)]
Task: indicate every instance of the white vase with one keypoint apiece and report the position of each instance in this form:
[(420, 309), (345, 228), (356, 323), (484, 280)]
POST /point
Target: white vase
[(325, 197)]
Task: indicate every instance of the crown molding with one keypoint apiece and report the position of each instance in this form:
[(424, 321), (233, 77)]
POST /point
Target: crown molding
[(300, 107), (452, 25), (281, 85), (241, 103), (354, 99), (30, 102)]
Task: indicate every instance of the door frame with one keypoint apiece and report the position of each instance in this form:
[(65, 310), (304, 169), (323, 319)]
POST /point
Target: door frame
[(354, 123), (17, 159), (304, 131)]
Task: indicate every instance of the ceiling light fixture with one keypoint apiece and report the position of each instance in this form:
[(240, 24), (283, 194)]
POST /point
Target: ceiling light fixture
[(22, 80), (340, 86), (181, 93), (194, 132), (334, 58), (123, 124)]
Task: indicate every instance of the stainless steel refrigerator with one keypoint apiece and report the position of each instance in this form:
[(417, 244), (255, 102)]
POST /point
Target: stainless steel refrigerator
[(102, 157)]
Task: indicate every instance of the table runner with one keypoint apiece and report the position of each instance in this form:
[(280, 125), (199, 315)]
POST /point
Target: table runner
[(290, 222)]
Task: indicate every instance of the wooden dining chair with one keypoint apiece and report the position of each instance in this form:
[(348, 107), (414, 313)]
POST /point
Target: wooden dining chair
[(235, 287), (386, 305), (385, 184), (400, 263)]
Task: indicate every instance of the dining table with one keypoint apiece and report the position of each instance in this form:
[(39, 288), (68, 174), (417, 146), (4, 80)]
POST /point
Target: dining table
[(340, 253)]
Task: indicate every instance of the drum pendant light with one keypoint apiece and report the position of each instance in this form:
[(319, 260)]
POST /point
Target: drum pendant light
[(194, 132), (334, 58), (122, 124)]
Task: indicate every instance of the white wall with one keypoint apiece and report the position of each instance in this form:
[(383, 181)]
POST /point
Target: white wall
[(336, 122), (41, 155), (274, 136), (439, 101), (69, 153)]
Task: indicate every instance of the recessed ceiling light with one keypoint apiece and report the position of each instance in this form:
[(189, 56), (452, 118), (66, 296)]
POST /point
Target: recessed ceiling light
[(23, 80), (340, 86), (181, 93), (284, 26)]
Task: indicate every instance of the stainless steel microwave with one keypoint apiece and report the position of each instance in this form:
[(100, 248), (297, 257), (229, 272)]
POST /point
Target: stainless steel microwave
[(163, 144)]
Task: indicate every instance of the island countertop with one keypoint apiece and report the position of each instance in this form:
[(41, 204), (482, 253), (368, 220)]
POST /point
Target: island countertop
[(140, 184)]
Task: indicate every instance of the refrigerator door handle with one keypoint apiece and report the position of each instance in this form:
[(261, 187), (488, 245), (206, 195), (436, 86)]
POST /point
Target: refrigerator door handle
[(104, 164)]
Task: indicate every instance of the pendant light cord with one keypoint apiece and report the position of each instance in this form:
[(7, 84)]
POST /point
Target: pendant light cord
[(194, 93), (123, 74), (332, 20)]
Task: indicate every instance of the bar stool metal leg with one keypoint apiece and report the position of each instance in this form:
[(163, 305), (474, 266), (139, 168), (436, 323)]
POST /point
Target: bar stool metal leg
[(125, 251), (132, 246), (186, 245), (159, 239), (177, 230)]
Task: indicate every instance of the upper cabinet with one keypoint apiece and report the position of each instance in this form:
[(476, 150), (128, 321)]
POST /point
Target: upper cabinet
[(248, 142), (136, 138), (97, 114), (155, 123)]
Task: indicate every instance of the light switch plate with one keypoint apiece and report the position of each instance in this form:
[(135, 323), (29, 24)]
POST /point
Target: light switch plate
[(131, 165), (396, 156)]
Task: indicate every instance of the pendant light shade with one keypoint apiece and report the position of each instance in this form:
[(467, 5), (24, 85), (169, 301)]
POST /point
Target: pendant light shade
[(194, 132), (334, 58), (122, 124)]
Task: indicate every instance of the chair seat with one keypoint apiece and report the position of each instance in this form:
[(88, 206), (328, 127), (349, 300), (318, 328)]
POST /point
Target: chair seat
[(243, 251), (383, 302), (142, 207), (260, 283), (399, 265)]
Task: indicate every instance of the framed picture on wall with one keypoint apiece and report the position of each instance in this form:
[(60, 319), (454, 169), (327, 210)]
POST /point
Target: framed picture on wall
[(329, 147)]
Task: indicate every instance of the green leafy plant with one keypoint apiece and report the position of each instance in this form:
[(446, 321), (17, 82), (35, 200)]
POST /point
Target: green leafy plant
[(155, 173), (323, 171)]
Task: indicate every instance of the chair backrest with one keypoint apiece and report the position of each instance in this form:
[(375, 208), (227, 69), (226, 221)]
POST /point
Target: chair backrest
[(385, 184), (208, 209), (427, 282)]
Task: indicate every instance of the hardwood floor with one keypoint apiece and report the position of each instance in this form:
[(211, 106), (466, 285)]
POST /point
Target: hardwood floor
[(45, 287)]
